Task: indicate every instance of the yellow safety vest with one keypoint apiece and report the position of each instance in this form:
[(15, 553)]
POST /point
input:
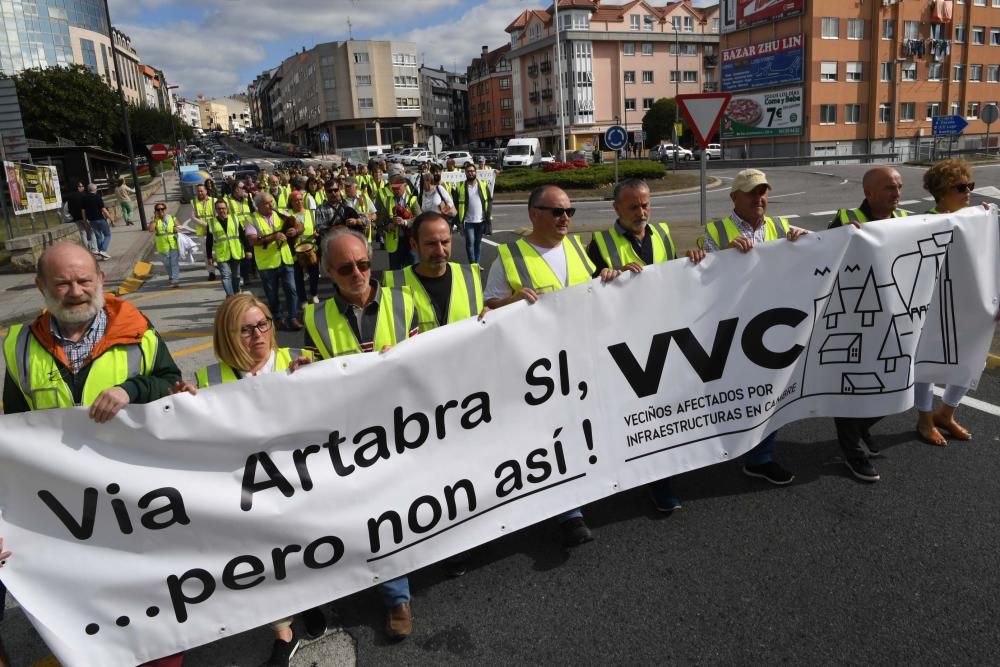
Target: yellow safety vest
[(275, 253), (332, 333), (222, 372), (724, 231), (617, 251), (524, 267), (392, 236), (460, 198), (465, 301), (308, 228), (226, 243), (166, 234), (239, 210), (38, 376), (848, 215), (205, 211)]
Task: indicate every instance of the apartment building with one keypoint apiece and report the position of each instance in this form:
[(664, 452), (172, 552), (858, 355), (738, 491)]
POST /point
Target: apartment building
[(873, 77), (443, 105), (491, 98), (230, 114), (128, 64), (617, 60), (189, 112)]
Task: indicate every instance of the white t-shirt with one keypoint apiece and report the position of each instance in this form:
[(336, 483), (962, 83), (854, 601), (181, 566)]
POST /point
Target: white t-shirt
[(497, 286), (474, 207), (431, 201), (267, 367)]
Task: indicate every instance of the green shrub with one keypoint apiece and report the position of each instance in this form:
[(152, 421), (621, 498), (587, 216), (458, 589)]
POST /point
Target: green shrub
[(593, 176)]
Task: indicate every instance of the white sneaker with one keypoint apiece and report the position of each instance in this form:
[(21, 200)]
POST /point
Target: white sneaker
[(103, 254), (315, 299)]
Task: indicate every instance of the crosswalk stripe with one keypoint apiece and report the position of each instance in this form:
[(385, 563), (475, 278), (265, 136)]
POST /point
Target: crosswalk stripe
[(824, 213), (974, 403), (909, 201)]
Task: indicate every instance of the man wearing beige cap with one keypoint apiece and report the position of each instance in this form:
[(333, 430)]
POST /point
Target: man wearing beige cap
[(745, 227)]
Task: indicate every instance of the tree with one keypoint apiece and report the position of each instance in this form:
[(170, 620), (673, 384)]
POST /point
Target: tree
[(658, 123), (70, 102)]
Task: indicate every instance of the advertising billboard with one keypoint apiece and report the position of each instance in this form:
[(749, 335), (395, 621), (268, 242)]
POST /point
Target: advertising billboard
[(774, 63), (33, 188), (737, 14), (773, 113)]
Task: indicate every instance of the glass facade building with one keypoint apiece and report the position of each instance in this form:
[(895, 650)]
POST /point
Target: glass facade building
[(36, 33)]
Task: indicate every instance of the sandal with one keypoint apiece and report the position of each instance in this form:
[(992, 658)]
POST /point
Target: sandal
[(933, 437), (955, 429)]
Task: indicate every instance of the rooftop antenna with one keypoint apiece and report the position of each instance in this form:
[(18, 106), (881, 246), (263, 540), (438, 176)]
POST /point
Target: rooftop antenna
[(350, 33)]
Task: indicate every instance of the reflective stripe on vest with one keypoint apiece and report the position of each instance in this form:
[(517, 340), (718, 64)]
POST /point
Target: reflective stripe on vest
[(166, 235), (524, 267), (333, 336), (392, 236), (617, 251), (308, 228), (725, 230), (226, 243), (848, 215), (38, 375), (222, 372), (275, 253), (204, 210), (239, 210), (465, 300), (461, 193)]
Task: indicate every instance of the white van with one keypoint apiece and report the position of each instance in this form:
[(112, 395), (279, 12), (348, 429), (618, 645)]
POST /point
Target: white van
[(522, 153)]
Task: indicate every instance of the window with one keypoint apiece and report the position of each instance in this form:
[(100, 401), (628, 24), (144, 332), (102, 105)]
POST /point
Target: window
[(647, 48), (993, 73), (907, 111), (628, 48), (675, 23), (715, 22), (996, 3), (629, 104), (366, 102), (855, 28), (854, 70), (688, 24), (975, 72), (685, 49), (827, 114), (647, 76), (690, 76), (647, 103), (885, 71), (405, 59), (648, 22), (505, 83), (630, 76), (404, 81), (980, 3), (972, 110), (934, 71), (957, 72), (506, 122), (933, 109), (674, 74), (888, 29), (633, 22), (909, 71), (828, 71), (959, 33), (994, 36), (852, 114), (584, 79), (911, 29), (506, 103), (884, 113), (361, 57), (830, 27), (364, 79), (978, 34), (408, 103), (955, 108)]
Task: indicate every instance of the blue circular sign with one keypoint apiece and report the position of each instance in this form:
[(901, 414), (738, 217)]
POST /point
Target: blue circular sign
[(615, 137)]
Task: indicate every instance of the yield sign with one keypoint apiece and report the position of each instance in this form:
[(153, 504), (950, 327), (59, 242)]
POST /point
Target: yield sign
[(703, 112)]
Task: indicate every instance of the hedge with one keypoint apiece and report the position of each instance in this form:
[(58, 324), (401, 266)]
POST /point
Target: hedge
[(594, 176)]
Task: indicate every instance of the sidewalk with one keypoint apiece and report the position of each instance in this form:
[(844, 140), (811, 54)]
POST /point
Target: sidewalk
[(20, 300)]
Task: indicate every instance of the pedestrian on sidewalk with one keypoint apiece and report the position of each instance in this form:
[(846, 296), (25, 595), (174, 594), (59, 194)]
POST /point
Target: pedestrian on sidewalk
[(124, 194), (97, 217), (164, 228), (74, 207)]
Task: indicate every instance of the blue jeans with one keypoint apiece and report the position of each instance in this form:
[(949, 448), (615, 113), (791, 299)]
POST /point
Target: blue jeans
[(284, 277), (572, 514), (229, 273), (473, 240), (172, 264), (762, 453), (102, 230), (395, 592), (86, 237)]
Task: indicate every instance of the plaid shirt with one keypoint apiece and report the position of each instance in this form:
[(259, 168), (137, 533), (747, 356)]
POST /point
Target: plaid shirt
[(78, 353)]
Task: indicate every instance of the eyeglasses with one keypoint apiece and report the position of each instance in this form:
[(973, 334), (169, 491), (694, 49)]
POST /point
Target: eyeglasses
[(263, 327), (159, 209), (348, 269), (557, 211), (964, 187)]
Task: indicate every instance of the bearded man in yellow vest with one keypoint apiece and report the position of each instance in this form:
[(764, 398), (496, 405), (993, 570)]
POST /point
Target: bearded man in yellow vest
[(546, 260)]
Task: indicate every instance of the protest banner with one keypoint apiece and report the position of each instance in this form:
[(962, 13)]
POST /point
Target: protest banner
[(198, 517), (33, 188), (452, 178)]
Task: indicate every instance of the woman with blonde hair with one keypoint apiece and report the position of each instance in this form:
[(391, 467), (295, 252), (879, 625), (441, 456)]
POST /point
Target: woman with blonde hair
[(951, 184)]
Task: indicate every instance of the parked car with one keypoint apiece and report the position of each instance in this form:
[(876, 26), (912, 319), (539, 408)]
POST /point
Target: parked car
[(666, 153), (460, 158), (230, 169), (302, 151), (400, 156), (291, 164), (548, 157), (417, 157), (714, 152)]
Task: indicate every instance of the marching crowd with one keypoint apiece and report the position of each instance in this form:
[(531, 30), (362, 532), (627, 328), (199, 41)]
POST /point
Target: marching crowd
[(284, 229)]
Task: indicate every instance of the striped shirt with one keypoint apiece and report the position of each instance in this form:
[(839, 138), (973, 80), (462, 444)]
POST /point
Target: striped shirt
[(746, 230), (78, 352)]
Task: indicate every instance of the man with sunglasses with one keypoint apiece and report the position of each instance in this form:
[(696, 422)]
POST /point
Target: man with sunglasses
[(546, 260), (164, 230), (241, 208)]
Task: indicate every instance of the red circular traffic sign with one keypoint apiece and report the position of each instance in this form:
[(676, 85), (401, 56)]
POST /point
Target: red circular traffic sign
[(158, 152)]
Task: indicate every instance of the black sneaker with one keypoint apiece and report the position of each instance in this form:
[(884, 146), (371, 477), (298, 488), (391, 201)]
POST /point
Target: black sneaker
[(870, 445), (282, 652), (862, 469), (662, 494), (770, 471), (315, 623), (575, 532), (456, 565)]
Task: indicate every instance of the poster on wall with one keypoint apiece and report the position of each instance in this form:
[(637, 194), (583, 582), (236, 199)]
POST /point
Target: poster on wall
[(737, 14), (33, 188), (774, 63), (774, 113)]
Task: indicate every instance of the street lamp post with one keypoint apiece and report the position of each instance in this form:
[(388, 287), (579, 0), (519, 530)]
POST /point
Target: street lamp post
[(125, 125), (173, 135), (559, 81), (677, 91)]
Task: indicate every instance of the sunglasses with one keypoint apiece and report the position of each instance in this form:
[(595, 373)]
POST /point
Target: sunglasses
[(965, 187), (348, 269), (333, 191), (159, 208), (557, 211)]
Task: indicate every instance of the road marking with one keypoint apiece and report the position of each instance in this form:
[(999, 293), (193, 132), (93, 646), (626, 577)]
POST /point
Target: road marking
[(928, 198), (789, 216), (909, 201), (191, 350), (790, 194), (492, 243), (163, 292), (845, 181), (825, 213), (974, 403)]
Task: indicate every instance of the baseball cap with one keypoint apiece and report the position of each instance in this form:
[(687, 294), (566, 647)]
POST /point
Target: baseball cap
[(748, 179)]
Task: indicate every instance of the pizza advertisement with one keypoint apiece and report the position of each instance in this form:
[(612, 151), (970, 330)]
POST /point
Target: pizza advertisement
[(774, 113)]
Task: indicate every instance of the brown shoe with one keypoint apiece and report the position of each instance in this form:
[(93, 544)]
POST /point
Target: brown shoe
[(399, 622), (295, 325)]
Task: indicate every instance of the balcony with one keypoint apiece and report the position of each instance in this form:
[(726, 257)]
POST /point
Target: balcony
[(540, 121), (546, 93), (546, 66), (532, 70), (533, 97), (711, 61), (710, 87)]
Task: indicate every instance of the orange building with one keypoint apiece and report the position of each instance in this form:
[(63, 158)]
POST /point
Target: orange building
[(874, 75), (618, 60), (491, 98)]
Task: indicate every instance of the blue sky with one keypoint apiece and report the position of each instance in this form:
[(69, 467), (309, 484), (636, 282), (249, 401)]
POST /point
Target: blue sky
[(216, 47)]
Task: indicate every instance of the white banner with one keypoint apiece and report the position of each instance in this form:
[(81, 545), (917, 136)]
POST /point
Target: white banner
[(454, 177), (197, 517)]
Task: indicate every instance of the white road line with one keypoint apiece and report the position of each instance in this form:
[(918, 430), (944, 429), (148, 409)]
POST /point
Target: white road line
[(909, 201), (974, 403), (928, 198), (790, 194), (790, 216), (824, 213), (845, 181), (492, 243)]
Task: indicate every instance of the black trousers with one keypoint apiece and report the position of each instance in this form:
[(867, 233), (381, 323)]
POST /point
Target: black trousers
[(851, 432)]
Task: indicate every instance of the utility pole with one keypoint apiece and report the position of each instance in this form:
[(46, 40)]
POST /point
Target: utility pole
[(559, 81), (677, 91)]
